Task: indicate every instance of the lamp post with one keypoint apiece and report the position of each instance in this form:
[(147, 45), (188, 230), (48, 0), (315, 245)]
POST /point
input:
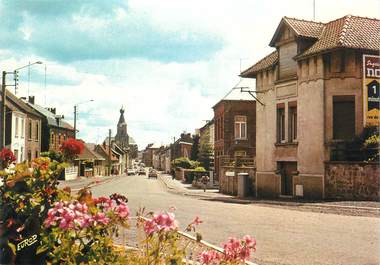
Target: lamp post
[(4, 98), (16, 74), (75, 116)]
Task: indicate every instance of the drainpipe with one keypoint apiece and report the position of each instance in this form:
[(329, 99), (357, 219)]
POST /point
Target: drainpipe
[(324, 128)]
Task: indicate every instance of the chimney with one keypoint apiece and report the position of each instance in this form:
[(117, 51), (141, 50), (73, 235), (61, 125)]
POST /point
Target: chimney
[(52, 110), (31, 100)]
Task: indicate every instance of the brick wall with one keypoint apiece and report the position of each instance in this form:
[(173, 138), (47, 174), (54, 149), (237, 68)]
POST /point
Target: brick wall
[(352, 181)]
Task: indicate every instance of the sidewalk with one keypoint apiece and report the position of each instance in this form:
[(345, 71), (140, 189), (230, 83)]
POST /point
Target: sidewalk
[(81, 182), (353, 208)]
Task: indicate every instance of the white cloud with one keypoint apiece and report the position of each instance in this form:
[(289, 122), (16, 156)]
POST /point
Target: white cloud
[(162, 99)]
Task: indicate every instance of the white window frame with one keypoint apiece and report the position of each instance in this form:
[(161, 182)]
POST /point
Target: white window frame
[(240, 121), (16, 126)]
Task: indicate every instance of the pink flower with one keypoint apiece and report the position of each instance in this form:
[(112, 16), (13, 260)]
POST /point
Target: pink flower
[(160, 222), (208, 257), (122, 210), (197, 221)]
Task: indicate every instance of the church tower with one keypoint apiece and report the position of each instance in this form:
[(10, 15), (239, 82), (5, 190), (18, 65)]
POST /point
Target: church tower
[(122, 136)]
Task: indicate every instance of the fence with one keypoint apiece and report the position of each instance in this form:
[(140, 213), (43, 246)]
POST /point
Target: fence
[(131, 239)]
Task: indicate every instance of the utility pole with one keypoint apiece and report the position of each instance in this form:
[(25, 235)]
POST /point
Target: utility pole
[(75, 121), (109, 152), (4, 98)]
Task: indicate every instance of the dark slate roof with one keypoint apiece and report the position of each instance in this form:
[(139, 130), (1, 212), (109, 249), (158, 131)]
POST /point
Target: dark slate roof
[(265, 63), (20, 105), (51, 117), (351, 32)]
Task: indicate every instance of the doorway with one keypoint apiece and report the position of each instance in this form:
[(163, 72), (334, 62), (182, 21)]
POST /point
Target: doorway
[(287, 170)]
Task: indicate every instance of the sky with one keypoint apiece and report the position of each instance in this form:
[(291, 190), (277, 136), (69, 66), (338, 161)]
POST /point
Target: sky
[(167, 62)]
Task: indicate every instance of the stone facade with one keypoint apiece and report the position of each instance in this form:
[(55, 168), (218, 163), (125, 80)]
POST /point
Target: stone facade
[(352, 181), (298, 124)]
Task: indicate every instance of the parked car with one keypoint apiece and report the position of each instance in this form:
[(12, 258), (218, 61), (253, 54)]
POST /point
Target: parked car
[(152, 174), (141, 171), (131, 171)]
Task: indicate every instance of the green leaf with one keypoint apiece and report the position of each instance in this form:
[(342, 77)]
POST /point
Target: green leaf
[(41, 249), (13, 247)]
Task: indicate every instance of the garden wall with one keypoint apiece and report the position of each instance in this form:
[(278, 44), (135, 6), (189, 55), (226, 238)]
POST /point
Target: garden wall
[(352, 181)]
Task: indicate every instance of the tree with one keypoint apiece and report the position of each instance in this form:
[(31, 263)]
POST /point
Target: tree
[(133, 151), (195, 148), (71, 148), (206, 152)]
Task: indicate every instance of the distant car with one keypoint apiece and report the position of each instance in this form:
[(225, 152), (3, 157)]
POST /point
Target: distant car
[(152, 174), (141, 171), (131, 171)]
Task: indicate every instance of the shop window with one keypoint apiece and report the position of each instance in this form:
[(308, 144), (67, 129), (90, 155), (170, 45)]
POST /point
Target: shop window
[(343, 117), (293, 123), (240, 127), (280, 124)]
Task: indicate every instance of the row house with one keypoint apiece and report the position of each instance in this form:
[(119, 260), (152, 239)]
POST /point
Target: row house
[(235, 129), (311, 87), (111, 159), (148, 154), (22, 129), (162, 159), (89, 162), (55, 130), (207, 140), (182, 146)]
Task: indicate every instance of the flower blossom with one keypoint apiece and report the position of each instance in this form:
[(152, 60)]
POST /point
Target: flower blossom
[(209, 257), (160, 222)]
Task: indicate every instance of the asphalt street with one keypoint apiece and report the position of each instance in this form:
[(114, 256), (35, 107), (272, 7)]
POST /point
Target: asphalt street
[(283, 236)]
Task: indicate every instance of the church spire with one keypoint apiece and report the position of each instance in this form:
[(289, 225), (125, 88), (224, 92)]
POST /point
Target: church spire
[(121, 119)]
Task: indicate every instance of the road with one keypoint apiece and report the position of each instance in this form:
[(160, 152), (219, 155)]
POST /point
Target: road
[(283, 236)]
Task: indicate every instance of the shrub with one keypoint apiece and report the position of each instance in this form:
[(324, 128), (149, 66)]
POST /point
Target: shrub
[(200, 169), (71, 148), (41, 224), (6, 157), (185, 162)]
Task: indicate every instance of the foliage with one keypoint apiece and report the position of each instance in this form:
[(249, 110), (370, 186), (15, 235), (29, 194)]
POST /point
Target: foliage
[(71, 148), (200, 169), (185, 162), (133, 151), (42, 224), (195, 148), (53, 155), (6, 158), (206, 152), (363, 147), (28, 192)]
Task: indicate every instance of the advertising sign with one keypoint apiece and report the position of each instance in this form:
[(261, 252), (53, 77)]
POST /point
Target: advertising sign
[(371, 96)]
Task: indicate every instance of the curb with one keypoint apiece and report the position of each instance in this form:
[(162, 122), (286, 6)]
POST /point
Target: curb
[(313, 206)]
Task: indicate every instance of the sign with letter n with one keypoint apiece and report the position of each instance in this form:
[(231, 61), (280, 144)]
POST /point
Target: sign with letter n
[(371, 96)]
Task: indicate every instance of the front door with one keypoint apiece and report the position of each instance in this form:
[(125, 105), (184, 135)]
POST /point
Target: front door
[(287, 170)]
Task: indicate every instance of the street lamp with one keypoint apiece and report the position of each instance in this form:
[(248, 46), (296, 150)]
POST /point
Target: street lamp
[(75, 115), (16, 74), (4, 98)]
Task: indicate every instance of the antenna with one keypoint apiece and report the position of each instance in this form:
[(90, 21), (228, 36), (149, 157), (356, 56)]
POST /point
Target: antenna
[(313, 10)]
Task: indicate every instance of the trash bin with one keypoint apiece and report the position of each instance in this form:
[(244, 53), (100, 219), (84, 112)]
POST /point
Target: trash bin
[(243, 185)]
